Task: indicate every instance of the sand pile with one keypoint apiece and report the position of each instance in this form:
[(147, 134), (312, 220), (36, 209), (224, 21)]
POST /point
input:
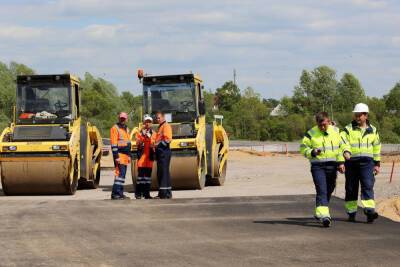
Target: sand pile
[(390, 208)]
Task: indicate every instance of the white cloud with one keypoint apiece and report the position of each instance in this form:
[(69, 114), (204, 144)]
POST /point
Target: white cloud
[(19, 32), (229, 38), (101, 32), (370, 3), (396, 41), (113, 38)]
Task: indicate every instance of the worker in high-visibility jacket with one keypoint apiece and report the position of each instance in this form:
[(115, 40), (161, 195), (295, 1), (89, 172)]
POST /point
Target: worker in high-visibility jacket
[(145, 140), (163, 156), (362, 163), (323, 146), (121, 150)]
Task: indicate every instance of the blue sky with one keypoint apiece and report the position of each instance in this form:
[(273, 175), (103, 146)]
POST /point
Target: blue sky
[(269, 43)]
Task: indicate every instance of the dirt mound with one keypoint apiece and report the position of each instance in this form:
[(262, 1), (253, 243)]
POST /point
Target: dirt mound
[(267, 154), (391, 158), (390, 208)]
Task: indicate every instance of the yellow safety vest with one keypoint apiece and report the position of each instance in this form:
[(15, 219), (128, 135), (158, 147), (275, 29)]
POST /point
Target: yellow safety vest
[(362, 142), (329, 142)]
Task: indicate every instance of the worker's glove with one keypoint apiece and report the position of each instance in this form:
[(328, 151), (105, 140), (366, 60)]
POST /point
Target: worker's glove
[(347, 155), (315, 152)]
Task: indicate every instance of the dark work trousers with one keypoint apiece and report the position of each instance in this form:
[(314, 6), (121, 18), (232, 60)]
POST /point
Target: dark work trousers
[(163, 155), (324, 175), (143, 182), (359, 171), (118, 186)]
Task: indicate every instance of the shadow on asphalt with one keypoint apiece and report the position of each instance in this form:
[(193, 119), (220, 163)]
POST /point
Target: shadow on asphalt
[(306, 222), (105, 188), (346, 221), (108, 188)]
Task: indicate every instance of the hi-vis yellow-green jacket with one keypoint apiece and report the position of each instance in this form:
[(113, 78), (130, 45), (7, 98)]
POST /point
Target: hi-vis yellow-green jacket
[(362, 142), (330, 143)]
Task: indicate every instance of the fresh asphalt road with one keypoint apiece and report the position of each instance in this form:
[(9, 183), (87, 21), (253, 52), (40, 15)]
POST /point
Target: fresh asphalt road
[(232, 231)]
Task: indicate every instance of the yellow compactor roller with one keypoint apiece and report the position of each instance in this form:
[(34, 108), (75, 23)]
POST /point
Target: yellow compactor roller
[(199, 150), (47, 149)]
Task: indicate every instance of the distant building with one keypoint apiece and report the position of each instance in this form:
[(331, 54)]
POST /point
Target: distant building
[(278, 111)]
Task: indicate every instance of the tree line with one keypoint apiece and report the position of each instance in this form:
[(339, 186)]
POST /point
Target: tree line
[(246, 114)]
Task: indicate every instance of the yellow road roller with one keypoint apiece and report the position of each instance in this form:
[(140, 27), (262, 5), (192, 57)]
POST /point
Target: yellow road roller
[(199, 150), (47, 149)]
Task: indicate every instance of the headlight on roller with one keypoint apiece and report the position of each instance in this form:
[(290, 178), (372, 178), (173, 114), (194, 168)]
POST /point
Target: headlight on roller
[(186, 144), (58, 147), (9, 148)]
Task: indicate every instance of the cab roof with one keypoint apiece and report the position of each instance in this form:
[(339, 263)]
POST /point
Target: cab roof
[(47, 78), (158, 79)]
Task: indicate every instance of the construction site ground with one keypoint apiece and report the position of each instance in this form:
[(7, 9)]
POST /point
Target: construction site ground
[(261, 216)]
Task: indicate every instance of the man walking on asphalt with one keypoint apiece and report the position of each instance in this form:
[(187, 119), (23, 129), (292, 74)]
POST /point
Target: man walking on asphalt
[(163, 156), (121, 149), (362, 162), (323, 146)]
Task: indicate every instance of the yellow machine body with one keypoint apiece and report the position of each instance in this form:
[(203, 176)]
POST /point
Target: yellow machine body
[(198, 158), (49, 156)]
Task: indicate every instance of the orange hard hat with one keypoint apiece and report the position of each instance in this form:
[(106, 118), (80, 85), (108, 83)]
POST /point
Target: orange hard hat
[(123, 115)]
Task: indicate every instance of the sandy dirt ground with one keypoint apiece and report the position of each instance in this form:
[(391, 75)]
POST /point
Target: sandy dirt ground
[(259, 174)]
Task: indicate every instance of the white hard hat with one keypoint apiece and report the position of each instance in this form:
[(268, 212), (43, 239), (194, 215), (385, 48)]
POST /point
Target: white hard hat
[(361, 108), (147, 117)]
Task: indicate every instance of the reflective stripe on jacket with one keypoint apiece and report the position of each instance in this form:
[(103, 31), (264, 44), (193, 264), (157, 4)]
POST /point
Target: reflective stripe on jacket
[(164, 134), (120, 143), (362, 142), (146, 138), (329, 142)]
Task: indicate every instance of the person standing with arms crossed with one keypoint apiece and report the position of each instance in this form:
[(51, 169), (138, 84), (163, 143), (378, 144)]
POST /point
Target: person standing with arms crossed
[(163, 156), (121, 150), (362, 163), (145, 146), (323, 146)]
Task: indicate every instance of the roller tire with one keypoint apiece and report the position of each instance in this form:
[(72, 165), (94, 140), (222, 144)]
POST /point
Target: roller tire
[(94, 181), (72, 182), (202, 173)]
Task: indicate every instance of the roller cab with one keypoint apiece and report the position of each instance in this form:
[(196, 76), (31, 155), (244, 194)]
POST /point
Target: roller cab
[(195, 144), (47, 149)]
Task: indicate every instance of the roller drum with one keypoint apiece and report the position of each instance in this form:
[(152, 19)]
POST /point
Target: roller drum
[(186, 173), (52, 175)]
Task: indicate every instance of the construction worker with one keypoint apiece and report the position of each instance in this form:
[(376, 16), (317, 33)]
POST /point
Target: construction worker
[(163, 156), (323, 146), (362, 162), (145, 139), (121, 147)]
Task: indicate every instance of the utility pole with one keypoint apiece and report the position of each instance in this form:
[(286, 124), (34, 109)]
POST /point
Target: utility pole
[(234, 76)]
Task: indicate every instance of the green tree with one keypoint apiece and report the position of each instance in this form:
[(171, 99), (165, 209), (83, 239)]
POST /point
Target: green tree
[(227, 96), (100, 102), (393, 99), (349, 93), (316, 90)]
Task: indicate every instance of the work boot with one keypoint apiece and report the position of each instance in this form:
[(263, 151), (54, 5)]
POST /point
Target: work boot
[(116, 197), (371, 215), (326, 221), (352, 217), (138, 196)]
